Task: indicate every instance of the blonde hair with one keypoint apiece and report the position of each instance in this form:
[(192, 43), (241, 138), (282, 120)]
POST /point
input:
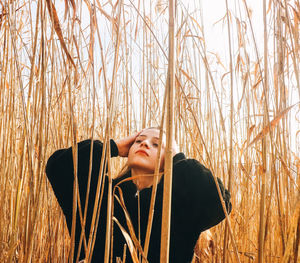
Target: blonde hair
[(124, 170)]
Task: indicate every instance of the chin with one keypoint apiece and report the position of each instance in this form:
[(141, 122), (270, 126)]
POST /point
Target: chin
[(138, 164)]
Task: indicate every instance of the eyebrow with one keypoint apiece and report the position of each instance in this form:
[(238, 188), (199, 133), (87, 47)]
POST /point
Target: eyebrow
[(142, 135)]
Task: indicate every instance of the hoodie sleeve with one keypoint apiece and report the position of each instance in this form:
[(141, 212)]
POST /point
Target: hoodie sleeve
[(195, 184), (60, 172)]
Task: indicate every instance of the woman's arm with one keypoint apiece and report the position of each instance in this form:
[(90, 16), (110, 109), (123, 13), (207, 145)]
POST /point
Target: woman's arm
[(60, 171), (195, 184)]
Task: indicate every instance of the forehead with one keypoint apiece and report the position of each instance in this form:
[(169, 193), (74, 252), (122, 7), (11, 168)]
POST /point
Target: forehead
[(153, 133), (150, 133)]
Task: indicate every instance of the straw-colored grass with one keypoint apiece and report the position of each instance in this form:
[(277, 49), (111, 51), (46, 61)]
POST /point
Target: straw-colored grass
[(71, 70)]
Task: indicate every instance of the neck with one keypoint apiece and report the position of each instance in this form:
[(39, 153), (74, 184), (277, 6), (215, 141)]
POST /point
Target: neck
[(144, 178)]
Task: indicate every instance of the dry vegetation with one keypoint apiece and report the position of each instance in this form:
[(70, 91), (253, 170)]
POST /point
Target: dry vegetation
[(68, 73)]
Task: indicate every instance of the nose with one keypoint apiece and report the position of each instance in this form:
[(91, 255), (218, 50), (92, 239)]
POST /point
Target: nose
[(145, 143)]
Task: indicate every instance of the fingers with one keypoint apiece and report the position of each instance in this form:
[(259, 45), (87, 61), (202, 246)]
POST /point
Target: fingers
[(130, 139), (124, 144)]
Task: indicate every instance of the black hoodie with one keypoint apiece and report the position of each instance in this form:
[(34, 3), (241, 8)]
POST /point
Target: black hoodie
[(195, 203)]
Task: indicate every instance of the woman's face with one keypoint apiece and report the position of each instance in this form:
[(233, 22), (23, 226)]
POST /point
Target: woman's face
[(143, 152)]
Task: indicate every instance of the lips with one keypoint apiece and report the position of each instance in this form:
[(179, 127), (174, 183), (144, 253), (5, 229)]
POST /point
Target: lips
[(142, 152)]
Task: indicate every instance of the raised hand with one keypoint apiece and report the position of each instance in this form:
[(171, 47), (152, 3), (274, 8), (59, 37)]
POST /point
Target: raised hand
[(124, 144)]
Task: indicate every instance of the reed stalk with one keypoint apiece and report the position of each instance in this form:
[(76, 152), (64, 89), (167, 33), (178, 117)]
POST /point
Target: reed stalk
[(230, 165), (167, 193), (264, 146), (156, 177), (111, 110)]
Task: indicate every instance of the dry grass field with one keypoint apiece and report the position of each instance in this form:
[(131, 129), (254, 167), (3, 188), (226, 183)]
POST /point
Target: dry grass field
[(72, 70)]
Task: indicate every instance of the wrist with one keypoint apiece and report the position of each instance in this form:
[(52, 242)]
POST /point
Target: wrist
[(114, 149)]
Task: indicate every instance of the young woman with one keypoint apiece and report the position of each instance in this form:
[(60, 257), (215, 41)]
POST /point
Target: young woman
[(195, 205)]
